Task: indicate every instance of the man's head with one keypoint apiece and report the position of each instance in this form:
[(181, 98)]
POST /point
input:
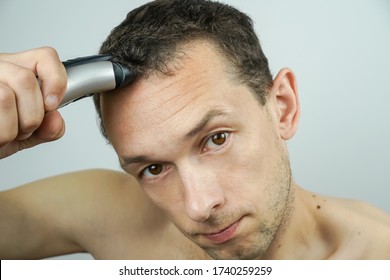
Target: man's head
[(203, 144), (153, 35)]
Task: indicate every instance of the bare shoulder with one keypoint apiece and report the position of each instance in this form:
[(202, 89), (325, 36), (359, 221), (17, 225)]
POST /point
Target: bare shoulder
[(366, 230), (371, 212), (120, 196), (113, 195), (108, 212), (361, 211), (95, 187)]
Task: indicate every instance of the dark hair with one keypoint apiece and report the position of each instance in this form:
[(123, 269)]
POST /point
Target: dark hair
[(147, 40)]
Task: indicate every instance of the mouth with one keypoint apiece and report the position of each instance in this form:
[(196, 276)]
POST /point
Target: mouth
[(223, 235)]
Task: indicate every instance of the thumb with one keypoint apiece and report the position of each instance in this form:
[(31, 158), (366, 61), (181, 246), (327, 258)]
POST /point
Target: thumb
[(51, 129)]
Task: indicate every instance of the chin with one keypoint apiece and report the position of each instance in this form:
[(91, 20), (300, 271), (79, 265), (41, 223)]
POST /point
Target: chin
[(249, 251), (234, 255)]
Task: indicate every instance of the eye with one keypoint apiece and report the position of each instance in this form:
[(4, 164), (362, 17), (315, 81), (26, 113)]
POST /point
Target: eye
[(216, 140), (152, 170)]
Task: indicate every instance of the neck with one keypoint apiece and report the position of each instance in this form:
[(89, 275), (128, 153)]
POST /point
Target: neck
[(302, 234)]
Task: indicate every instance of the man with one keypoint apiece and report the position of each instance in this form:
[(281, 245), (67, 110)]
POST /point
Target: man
[(202, 131)]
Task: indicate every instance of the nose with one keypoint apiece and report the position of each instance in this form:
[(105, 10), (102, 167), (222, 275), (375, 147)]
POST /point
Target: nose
[(202, 193)]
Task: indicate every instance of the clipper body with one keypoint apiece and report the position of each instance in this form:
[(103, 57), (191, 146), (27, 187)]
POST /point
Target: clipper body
[(93, 74)]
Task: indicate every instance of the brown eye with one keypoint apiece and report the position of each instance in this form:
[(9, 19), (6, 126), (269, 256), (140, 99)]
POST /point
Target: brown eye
[(219, 138), (153, 170), (216, 141)]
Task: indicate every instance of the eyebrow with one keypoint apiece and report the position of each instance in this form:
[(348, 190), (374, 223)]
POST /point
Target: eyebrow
[(213, 113), (126, 161), (210, 115)]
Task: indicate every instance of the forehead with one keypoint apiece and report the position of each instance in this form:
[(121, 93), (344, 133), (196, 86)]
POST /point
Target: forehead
[(167, 106)]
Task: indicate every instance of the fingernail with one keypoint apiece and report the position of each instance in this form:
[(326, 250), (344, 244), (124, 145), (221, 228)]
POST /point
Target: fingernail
[(51, 101)]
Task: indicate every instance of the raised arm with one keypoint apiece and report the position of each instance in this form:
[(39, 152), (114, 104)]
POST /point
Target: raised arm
[(86, 211), (93, 211)]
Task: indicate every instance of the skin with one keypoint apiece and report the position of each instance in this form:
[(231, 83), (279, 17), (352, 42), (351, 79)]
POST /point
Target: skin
[(200, 185), (203, 185), (23, 101)]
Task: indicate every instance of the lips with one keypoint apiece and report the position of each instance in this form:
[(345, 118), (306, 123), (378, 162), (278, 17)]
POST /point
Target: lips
[(224, 235)]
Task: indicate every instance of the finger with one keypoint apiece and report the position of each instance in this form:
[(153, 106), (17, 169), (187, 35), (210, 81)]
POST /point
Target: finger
[(52, 74), (28, 97), (46, 65), (52, 128), (8, 115)]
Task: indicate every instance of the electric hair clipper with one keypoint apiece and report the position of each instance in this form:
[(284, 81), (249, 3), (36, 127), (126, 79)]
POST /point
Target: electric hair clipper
[(94, 74)]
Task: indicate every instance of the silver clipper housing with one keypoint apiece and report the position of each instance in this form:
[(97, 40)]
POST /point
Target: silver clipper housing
[(94, 74)]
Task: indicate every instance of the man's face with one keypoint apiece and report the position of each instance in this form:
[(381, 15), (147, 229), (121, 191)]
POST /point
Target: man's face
[(206, 152)]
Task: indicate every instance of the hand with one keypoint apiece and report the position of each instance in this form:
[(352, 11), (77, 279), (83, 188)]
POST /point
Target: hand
[(28, 114)]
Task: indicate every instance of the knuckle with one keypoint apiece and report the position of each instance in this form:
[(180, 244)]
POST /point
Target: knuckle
[(30, 124), (8, 135), (25, 78), (7, 97), (58, 77), (49, 52), (9, 128)]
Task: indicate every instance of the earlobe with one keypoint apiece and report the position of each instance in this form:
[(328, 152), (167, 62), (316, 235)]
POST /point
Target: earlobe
[(285, 92)]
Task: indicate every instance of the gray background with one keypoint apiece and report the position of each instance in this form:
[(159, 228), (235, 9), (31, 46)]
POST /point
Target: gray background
[(339, 51)]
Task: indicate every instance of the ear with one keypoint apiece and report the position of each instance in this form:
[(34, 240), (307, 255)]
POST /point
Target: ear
[(284, 90)]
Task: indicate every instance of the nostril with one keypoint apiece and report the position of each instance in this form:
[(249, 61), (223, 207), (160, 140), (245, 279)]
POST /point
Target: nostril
[(202, 193), (198, 212), (201, 205)]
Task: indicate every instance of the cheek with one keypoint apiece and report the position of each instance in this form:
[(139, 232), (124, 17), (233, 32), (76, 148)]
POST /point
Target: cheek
[(248, 167), (248, 156)]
